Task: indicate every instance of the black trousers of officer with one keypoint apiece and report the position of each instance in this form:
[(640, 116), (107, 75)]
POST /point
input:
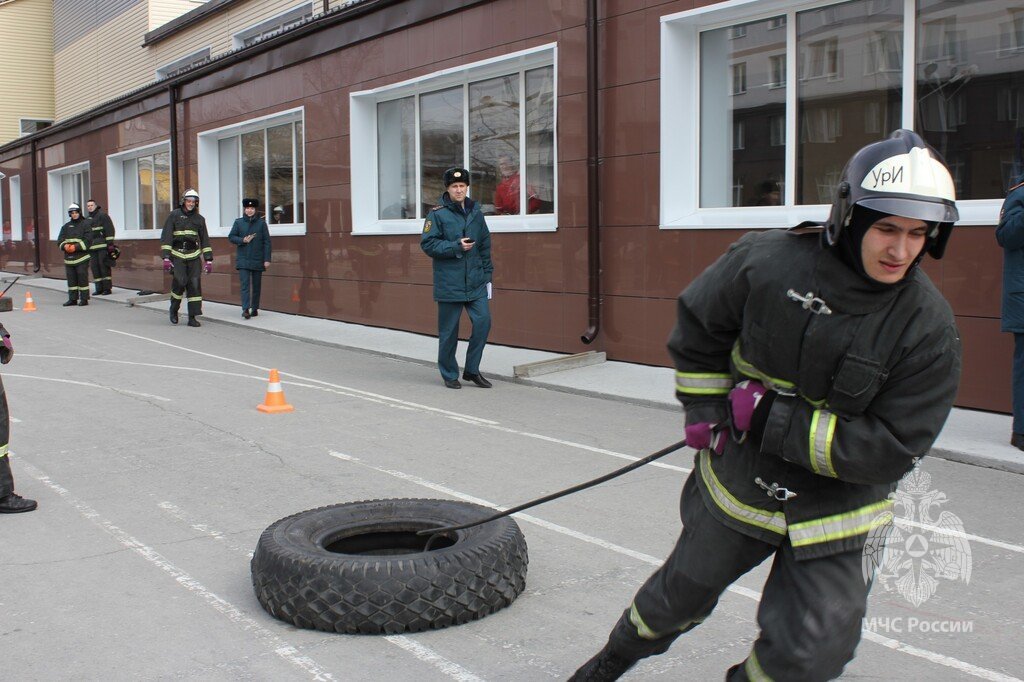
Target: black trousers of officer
[(6, 478), (101, 269), (810, 614), (78, 280), (186, 273), (251, 282)]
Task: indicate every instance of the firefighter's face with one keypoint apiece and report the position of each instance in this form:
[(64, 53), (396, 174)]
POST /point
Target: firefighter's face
[(91, 206), (457, 191), (890, 246), (190, 203)]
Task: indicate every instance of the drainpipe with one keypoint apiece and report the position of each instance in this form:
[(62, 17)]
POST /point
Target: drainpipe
[(35, 210), (593, 188), (172, 106)]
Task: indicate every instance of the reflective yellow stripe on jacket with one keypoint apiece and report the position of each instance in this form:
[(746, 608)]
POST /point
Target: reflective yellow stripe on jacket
[(698, 383), (819, 446), (841, 526), (727, 502), (753, 669)]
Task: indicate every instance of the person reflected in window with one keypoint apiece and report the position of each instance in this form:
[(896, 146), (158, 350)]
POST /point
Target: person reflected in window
[(1010, 235), (506, 194), (277, 216), (252, 237), (770, 194)]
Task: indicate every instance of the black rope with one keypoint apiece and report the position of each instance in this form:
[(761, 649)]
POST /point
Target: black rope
[(447, 530)]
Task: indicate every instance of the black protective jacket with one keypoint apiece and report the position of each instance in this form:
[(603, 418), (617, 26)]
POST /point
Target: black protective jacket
[(79, 233), (102, 229), (867, 374), (184, 236)]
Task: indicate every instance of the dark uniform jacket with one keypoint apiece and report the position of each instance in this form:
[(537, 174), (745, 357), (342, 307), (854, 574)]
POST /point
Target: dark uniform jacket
[(1010, 235), (79, 233), (184, 236), (867, 374), (253, 255), (102, 229), (458, 275)]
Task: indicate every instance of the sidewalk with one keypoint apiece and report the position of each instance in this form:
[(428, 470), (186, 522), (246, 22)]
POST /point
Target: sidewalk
[(970, 436)]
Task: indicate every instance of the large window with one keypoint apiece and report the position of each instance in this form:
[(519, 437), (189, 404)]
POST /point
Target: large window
[(496, 118), (139, 189), (260, 159), (14, 185), (66, 186), (839, 76)]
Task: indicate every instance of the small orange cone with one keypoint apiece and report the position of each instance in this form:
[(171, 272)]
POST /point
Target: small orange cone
[(295, 294), (274, 402), (30, 305)]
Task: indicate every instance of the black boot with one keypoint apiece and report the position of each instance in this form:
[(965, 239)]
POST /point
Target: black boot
[(255, 312), (245, 313), (193, 322), (83, 301), (70, 303), (604, 667), (174, 317), (15, 504)]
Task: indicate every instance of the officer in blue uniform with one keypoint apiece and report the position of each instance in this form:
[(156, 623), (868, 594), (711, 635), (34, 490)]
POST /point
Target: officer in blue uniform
[(456, 237)]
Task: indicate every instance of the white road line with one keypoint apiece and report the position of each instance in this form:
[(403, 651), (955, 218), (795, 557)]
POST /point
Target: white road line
[(89, 384), (178, 513), (449, 668), (280, 647), (478, 421), (894, 644)]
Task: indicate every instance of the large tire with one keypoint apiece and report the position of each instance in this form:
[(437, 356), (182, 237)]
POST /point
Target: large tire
[(360, 568)]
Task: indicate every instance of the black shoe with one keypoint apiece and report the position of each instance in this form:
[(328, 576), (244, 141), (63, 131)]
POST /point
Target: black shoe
[(84, 301), (604, 667), (477, 379), (174, 317), (69, 303), (106, 292), (1017, 441), (15, 504), (245, 314), (255, 312), (193, 322), (452, 383), (98, 292)]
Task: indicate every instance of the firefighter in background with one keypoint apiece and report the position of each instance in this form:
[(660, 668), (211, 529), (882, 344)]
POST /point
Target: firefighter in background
[(74, 241), (815, 367), (184, 242), (10, 503), (102, 247)]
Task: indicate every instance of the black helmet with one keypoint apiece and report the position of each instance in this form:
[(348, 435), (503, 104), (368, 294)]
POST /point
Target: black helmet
[(901, 176)]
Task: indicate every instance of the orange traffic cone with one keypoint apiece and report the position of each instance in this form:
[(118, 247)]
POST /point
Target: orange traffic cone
[(274, 402), (30, 305), (295, 294)]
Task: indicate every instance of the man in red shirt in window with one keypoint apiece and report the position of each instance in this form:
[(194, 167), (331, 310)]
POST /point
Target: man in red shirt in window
[(506, 194)]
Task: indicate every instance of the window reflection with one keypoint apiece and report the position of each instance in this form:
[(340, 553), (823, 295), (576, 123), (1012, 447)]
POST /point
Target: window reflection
[(970, 86), (494, 143), (441, 141), (540, 140), (850, 89), (743, 113), (396, 158), (281, 172)]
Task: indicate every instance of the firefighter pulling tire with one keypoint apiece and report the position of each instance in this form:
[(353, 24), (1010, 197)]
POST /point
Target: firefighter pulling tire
[(360, 568)]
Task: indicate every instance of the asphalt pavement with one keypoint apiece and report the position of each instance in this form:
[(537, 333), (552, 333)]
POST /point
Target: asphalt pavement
[(156, 474)]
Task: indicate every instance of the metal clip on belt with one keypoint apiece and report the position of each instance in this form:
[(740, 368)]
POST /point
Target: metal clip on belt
[(774, 491), (810, 302)]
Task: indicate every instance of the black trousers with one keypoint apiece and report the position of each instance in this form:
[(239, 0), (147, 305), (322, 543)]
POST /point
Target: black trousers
[(250, 300), (810, 614), (78, 280), (6, 478), (187, 284), (101, 269)]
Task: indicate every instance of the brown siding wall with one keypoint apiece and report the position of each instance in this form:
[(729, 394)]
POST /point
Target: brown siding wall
[(541, 278)]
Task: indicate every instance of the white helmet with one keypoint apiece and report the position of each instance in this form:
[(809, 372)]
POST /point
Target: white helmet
[(190, 194), (74, 207)]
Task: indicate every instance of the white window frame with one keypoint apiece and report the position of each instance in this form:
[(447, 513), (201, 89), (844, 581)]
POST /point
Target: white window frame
[(209, 170), (59, 213), (187, 61), (680, 119), (115, 196), (274, 23), (363, 141), (14, 190)]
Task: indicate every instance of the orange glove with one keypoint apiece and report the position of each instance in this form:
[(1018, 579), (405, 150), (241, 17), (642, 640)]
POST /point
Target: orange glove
[(69, 248)]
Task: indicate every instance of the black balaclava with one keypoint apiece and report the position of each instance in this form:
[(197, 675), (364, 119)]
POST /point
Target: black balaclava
[(851, 239)]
